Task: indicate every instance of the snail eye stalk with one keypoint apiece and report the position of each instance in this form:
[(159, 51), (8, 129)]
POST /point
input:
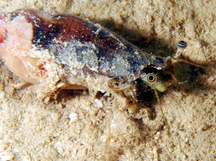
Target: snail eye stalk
[(181, 45)]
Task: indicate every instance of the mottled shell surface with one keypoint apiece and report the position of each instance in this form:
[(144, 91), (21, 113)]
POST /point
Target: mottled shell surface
[(70, 45), (83, 45)]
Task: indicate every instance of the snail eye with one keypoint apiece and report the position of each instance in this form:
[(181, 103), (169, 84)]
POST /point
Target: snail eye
[(182, 44), (151, 78)]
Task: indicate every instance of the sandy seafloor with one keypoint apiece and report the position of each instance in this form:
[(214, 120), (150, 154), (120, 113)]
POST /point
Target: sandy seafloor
[(31, 129)]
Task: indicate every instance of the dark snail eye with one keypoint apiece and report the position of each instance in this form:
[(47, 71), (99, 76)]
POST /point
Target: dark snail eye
[(182, 44), (151, 77), (154, 81)]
